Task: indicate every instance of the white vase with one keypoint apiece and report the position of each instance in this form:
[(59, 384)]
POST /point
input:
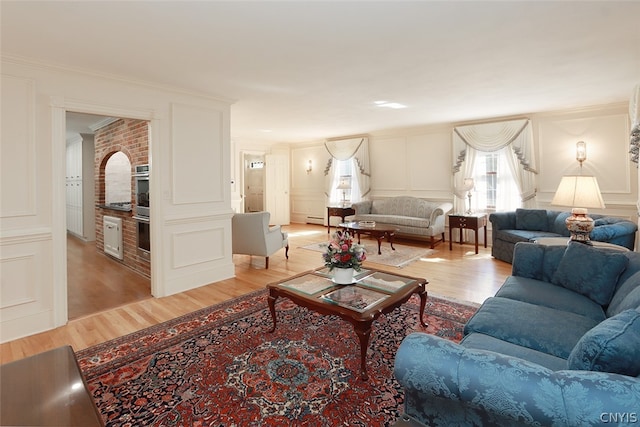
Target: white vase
[(343, 276)]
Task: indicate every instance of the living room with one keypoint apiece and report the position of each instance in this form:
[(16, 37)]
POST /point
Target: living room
[(213, 88), (193, 202)]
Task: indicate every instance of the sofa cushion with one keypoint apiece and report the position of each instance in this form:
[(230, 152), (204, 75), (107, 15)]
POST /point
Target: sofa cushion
[(540, 328), (612, 346), (531, 219), (627, 295), (590, 272), (549, 295), (515, 236), (486, 342)]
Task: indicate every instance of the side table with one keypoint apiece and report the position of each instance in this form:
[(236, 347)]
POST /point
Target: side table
[(47, 389), (469, 221), (340, 210)]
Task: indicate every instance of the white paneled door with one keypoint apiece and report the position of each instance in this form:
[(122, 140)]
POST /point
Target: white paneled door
[(277, 188)]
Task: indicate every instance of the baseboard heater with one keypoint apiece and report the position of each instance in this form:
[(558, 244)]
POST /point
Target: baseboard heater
[(315, 220)]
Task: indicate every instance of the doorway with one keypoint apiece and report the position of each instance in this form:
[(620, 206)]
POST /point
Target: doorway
[(95, 281), (253, 182)]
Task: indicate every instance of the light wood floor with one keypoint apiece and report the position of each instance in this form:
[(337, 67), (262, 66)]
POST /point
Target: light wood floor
[(96, 282), (459, 274)]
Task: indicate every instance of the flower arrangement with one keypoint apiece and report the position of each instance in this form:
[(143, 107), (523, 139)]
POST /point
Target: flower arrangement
[(343, 252)]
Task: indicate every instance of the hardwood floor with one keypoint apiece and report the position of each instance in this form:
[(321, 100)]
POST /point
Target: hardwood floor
[(459, 274), (95, 282)]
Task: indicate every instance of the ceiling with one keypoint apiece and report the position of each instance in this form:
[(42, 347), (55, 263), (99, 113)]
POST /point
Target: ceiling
[(302, 71)]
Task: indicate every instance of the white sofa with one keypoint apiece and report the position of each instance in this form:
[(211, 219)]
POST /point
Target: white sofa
[(414, 217)]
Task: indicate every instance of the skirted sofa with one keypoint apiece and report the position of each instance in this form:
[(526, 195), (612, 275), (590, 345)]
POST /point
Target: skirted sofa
[(558, 345), (527, 225), (414, 217)]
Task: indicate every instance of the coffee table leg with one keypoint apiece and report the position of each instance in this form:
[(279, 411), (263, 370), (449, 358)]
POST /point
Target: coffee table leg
[(390, 239), (271, 300), (423, 304), (363, 330)]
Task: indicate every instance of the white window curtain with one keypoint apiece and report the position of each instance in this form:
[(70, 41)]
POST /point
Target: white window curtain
[(490, 137), (357, 150)]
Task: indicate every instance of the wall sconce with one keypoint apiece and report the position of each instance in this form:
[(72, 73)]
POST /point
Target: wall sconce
[(309, 167), (581, 152)]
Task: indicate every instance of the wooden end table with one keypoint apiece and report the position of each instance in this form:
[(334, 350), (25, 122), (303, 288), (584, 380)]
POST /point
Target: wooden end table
[(47, 389), (375, 292), (378, 231), (342, 211), (470, 222)]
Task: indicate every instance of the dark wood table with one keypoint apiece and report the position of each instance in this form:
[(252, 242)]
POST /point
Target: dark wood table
[(468, 221), (378, 231), (342, 211), (375, 293), (47, 389)]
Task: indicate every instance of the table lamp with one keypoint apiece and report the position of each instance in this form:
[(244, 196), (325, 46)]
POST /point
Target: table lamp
[(467, 185), (344, 185), (579, 192)]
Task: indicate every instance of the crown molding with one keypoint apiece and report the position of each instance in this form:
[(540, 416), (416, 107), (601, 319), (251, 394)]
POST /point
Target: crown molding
[(43, 65)]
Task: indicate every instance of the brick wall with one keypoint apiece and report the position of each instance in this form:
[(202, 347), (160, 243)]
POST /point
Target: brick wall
[(131, 137)]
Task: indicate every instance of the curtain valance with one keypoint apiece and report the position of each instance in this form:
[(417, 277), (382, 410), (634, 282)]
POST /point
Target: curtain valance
[(490, 137), (356, 148), (344, 149)]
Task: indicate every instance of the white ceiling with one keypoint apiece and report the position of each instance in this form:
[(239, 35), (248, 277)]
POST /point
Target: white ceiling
[(312, 70)]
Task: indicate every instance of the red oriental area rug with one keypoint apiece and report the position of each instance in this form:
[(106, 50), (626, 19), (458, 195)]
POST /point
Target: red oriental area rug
[(220, 366)]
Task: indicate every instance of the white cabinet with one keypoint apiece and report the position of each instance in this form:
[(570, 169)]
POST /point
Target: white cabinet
[(79, 186)]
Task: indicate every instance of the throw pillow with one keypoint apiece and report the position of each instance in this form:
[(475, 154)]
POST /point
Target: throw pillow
[(611, 346), (590, 271), (531, 220)]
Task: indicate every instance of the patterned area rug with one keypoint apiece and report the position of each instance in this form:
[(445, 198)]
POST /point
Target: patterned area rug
[(221, 367), (402, 256)]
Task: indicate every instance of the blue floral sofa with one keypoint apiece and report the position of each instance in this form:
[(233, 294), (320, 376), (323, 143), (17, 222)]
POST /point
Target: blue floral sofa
[(527, 225), (558, 345)]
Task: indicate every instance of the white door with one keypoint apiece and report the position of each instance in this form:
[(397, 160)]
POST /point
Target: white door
[(277, 188), (253, 194)]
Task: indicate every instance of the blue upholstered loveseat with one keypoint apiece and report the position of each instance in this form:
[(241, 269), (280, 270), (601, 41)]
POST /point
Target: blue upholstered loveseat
[(527, 225), (558, 345)]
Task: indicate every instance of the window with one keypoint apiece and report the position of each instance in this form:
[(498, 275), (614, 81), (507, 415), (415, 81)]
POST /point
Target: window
[(344, 171), (495, 187)]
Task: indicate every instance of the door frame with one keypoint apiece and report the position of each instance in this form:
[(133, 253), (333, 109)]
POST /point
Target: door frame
[(59, 107)]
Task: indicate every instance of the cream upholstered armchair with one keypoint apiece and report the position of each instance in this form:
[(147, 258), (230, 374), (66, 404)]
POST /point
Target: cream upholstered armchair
[(251, 235)]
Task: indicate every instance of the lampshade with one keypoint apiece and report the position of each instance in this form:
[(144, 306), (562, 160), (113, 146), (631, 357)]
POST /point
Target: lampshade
[(578, 191), (345, 183)]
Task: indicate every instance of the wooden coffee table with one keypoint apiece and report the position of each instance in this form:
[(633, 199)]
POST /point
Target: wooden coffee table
[(378, 231), (374, 293)]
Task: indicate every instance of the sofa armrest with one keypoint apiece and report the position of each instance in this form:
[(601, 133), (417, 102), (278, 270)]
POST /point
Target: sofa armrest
[(363, 207), (275, 238), (614, 230), (439, 212), (497, 389), (503, 220)]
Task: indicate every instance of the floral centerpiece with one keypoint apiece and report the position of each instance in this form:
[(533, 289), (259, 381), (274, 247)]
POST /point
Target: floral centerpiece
[(343, 252)]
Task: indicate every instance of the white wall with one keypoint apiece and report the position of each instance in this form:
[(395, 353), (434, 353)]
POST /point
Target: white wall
[(190, 196), (418, 161)]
